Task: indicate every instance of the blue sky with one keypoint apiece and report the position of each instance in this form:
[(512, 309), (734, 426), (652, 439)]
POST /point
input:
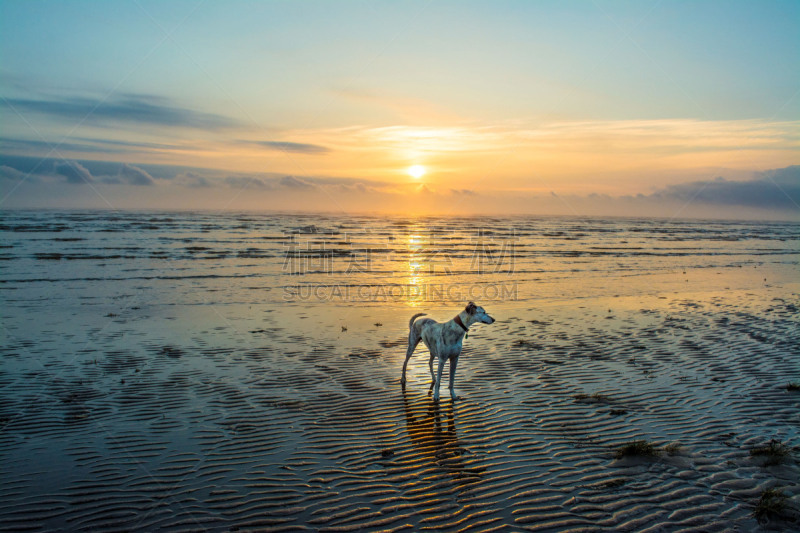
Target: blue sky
[(494, 99)]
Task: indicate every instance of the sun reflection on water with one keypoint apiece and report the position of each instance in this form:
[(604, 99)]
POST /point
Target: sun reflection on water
[(415, 280)]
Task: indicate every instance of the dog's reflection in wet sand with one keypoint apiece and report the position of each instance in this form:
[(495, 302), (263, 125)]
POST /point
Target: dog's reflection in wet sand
[(432, 430)]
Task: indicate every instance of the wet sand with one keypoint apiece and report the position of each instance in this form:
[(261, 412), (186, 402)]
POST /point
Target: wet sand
[(276, 418), (211, 372)]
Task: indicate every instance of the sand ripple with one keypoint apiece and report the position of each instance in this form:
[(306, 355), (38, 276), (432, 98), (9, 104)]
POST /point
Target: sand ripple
[(286, 429)]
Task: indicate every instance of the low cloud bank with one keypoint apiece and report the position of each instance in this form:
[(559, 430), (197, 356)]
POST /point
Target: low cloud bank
[(774, 189), (34, 182)]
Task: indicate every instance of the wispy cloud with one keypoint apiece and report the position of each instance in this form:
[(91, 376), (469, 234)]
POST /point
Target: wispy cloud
[(676, 135), (127, 146), (26, 146), (292, 147), (129, 108), (672, 135)]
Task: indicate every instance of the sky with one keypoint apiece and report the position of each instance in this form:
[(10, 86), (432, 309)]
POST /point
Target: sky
[(667, 108)]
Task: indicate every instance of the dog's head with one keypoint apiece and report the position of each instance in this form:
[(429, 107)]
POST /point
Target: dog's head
[(478, 313)]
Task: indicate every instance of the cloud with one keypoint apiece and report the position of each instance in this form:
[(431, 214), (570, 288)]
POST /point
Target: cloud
[(298, 148), (11, 174), (775, 189), (132, 175), (125, 146), (295, 183), (351, 188), (348, 182), (74, 172), (31, 146), (247, 182), (193, 180), (462, 192), (789, 176), (135, 108), (89, 146)]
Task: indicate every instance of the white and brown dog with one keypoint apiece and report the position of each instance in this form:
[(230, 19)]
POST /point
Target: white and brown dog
[(443, 341)]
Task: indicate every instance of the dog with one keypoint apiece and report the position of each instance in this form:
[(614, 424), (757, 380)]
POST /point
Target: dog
[(443, 341)]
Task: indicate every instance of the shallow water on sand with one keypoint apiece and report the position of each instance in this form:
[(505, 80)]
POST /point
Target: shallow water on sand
[(219, 372)]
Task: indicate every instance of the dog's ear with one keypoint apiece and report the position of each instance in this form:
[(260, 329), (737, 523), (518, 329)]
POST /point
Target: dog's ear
[(471, 308)]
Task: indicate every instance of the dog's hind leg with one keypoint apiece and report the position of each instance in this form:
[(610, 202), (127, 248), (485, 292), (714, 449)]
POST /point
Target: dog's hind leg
[(414, 336), (438, 379), (413, 340), (430, 367)]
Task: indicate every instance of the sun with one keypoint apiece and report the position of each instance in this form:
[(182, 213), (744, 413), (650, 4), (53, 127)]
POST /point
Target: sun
[(416, 171)]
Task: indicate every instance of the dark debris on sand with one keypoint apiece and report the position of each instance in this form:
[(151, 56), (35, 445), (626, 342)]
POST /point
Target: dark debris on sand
[(637, 448), (775, 452), (774, 507)]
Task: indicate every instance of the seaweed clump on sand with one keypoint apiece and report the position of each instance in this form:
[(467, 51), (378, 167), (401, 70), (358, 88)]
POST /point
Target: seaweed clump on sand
[(673, 449), (592, 398), (771, 504), (775, 452), (637, 448)]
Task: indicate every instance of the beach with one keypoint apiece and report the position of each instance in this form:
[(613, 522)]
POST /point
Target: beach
[(233, 372)]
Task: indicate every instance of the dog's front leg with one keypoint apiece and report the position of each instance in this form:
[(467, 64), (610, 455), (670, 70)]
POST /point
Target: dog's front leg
[(438, 379), (453, 364)]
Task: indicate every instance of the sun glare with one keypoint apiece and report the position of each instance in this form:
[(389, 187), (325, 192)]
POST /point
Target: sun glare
[(416, 171)]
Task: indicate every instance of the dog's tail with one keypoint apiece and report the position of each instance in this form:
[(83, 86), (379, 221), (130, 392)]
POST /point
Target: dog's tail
[(413, 318)]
